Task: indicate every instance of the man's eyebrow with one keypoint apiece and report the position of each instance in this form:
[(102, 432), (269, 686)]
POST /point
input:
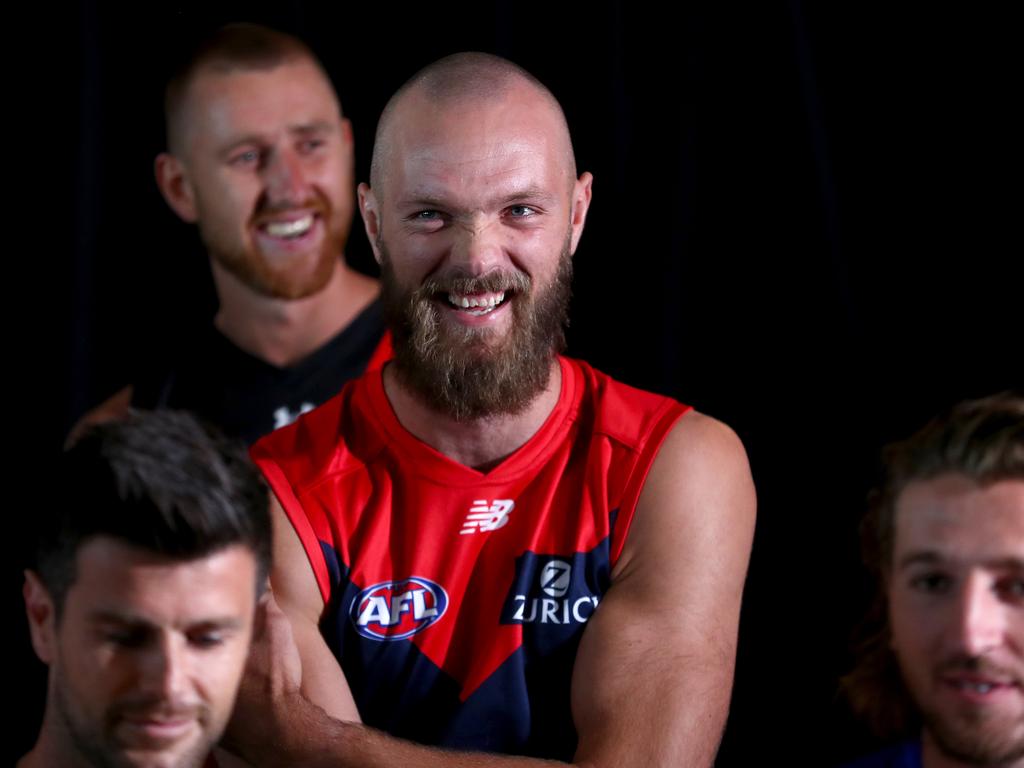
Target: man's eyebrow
[(241, 141), (531, 193), (932, 557), (419, 199), (427, 197), (317, 126), (107, 616), (216, 622), (302, 129)]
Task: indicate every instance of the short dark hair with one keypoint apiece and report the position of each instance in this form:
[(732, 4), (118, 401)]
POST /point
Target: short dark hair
[(158, 481), (980, 439), (231, 47)]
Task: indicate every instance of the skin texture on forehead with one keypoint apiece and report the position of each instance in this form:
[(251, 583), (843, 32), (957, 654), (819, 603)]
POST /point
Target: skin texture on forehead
[(180, 111), (214, 99), (459, 91)]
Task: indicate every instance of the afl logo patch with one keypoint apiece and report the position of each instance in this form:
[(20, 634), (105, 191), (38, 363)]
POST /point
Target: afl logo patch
[(395, 610)]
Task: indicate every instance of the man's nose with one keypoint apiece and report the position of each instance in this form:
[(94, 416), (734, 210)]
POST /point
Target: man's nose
[(285, 178), (478, 248), (163, 668), (981, 617)]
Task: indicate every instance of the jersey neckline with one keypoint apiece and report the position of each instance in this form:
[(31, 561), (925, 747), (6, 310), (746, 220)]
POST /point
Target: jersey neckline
[(432, 464)]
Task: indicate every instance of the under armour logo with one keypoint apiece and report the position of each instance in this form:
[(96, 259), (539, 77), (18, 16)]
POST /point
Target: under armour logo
[(284, 416), (487, 516)]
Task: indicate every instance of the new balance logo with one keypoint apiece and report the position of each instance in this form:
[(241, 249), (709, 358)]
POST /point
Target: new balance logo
[(284, 416), (487, 516)]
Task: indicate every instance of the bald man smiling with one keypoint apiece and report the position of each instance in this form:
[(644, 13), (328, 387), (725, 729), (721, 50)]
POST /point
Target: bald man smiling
[(489, 547)]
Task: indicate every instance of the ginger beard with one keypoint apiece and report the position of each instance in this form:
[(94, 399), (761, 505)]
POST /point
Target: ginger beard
[(289, 278), (461, 371)]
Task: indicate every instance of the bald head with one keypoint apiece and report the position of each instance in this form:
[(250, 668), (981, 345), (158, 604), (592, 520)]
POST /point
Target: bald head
[(233, 47), (458, 84)]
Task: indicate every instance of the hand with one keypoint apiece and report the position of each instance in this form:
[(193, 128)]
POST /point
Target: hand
[(272, 679)]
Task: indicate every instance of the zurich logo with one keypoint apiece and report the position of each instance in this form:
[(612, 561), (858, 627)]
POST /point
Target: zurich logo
[(394, 610), (555, 578)]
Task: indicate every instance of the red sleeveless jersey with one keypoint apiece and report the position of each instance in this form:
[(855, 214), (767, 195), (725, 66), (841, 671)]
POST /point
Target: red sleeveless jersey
[(455, 599)]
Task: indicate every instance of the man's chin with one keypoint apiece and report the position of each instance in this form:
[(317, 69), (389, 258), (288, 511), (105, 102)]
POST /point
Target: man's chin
[(296, 280), (190, 755), (990, 742)]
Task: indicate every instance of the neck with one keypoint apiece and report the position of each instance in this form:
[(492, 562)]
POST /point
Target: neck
[(482, 443), (933, 757), (54, 744), (283, 332)]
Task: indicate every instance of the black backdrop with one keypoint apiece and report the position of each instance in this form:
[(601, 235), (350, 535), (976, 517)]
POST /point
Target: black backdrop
[(805, 223)]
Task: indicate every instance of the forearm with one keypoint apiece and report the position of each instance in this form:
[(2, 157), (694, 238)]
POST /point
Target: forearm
[(670, 716), (308, 736)]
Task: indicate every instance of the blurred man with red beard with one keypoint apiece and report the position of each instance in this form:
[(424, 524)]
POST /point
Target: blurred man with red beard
[(260, 158), (487, 546), (945, 536)]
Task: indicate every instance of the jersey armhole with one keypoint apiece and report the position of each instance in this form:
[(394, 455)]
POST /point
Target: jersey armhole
[(297, 517), (672, 412)]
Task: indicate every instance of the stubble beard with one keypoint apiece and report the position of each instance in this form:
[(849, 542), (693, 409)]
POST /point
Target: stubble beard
[(461, 371), (974, 735), (244, 260), (96, 742)]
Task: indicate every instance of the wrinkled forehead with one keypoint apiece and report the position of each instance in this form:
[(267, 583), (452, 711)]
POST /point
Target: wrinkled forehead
[(954, 516), (472, 140), (243, 97)]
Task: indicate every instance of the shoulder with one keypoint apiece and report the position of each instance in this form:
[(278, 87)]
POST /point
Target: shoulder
[(701, 470), (624, 413), (698, 497), (315, 444), (705, 449)]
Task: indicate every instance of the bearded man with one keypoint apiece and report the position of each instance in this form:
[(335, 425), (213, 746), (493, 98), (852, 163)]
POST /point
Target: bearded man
[(260, 158), (943, 670), (488, 547)]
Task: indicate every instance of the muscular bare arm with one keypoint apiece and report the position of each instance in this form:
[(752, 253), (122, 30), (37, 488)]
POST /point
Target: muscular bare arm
[(297, 593), (653, 675)]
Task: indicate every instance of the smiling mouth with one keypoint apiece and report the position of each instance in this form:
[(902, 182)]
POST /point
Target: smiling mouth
[(477, 303), (980, 686), (157, 731), (289, 230)]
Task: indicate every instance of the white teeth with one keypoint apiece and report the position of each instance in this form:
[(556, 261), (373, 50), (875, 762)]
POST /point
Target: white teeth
[(978, 687), (289, 228), (488, 303)]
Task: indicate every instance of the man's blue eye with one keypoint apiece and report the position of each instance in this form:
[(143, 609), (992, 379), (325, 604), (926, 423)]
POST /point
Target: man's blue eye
[(428, 215), (521, 211)]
